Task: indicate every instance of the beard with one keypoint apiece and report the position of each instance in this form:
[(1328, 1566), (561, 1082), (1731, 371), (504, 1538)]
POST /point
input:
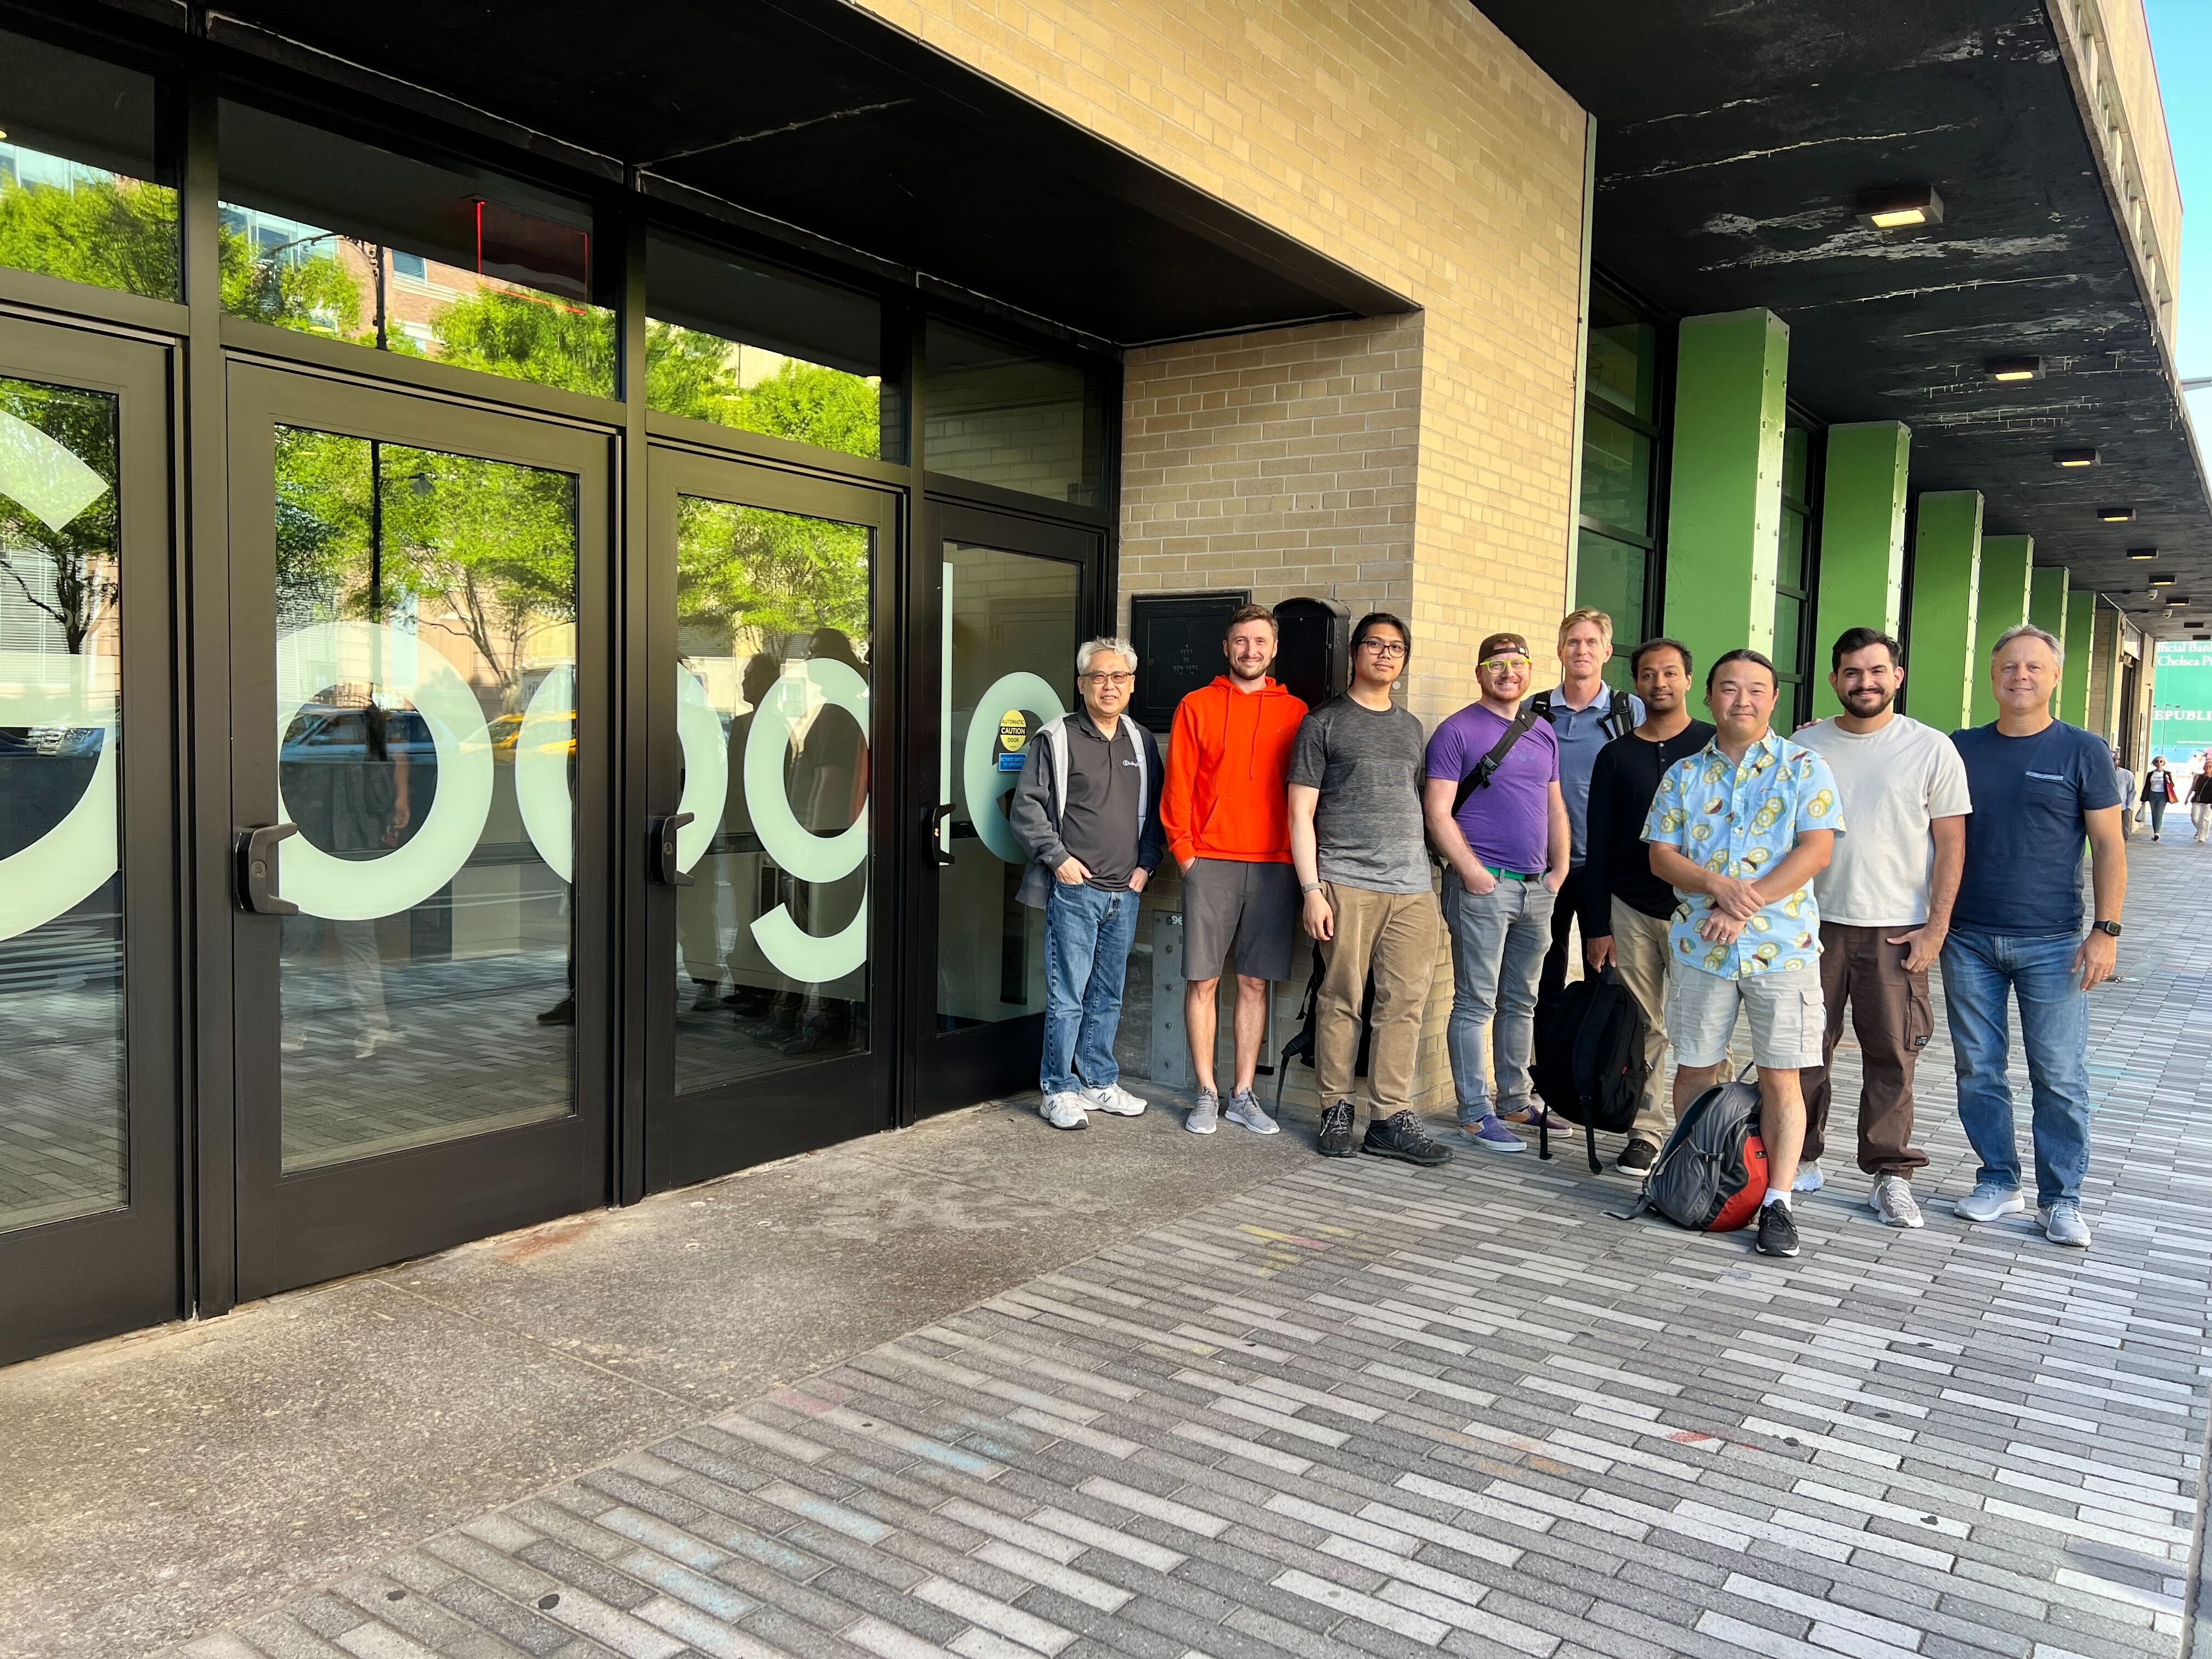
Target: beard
[(1256, 672), (1865, 704)]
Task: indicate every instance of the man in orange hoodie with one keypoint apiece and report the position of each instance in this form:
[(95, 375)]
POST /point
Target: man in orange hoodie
[(1226, 813)]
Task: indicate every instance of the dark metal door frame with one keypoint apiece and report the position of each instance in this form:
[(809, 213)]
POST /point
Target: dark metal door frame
[(944, 1070), (695, 1135), (343, 1217), (70, 1281)]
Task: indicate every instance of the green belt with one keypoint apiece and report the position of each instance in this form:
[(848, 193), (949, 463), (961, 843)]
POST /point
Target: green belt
[(1509, 875)]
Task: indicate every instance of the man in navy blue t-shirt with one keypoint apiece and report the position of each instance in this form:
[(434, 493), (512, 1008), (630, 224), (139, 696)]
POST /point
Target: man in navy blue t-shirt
[(2039, 786)]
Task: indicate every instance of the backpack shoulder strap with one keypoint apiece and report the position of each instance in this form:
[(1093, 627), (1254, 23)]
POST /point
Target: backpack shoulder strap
[(1622, 717), (1522, 724)]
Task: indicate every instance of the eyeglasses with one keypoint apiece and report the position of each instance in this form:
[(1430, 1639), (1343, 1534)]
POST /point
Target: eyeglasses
[(1384, 648), (1124, 681), (1504, 665)]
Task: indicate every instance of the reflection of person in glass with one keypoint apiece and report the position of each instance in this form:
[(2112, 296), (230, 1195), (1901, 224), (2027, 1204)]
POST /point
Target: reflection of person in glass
[(346, 785), (828, 789), (730, 866)]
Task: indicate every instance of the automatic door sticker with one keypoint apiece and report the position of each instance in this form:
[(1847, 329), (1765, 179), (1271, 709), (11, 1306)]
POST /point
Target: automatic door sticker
[(1013, 740)]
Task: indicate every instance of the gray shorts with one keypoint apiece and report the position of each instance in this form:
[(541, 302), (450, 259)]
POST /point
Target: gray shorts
[(1253, 907), (1788, 1017)]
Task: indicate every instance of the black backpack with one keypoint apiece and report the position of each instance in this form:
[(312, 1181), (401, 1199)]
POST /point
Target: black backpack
[(1590, 1060), (1300, 1044)]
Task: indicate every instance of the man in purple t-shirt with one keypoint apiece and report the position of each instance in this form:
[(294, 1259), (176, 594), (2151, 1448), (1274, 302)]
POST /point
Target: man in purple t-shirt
[(1505, 853)]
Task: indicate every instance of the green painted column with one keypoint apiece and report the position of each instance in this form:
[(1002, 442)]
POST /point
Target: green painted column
[(1862, 539), (2007, 563), (2081, 636), (1724, 497), (1947, 574), (2046, 609)]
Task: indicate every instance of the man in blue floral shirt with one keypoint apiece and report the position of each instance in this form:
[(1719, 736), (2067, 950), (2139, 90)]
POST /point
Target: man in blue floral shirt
[(1738, 829)]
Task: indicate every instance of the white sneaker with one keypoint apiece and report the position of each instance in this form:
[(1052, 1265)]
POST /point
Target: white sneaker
[(2062, 1223), (1115, 1099), (1893, 1202), (1809, 1179), (1988, 1201), (1063, 1111)]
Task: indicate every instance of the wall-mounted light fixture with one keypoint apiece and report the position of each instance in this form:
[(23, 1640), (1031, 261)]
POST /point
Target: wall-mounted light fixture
[(2116, 514), (1900, 207), (2075, 457), (2014, 368)]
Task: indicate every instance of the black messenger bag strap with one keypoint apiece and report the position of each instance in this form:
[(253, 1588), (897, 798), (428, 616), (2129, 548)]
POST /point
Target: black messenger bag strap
[(1521, 725)]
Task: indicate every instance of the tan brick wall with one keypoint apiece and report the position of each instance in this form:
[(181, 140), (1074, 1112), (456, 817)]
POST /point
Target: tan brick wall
[(1412, 141)]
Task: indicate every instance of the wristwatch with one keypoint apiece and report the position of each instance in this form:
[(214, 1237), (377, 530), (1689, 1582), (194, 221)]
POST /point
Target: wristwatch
[(1309, 887), (2111, 927)]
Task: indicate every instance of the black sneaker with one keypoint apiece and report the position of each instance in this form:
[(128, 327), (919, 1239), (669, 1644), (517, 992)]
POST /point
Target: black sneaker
[(563, 1013), (1335, 1139), (1638, 1157), (1399, 1136), (1778, 1231)]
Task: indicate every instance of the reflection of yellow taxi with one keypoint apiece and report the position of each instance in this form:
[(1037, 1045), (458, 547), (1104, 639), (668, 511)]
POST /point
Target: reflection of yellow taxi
[(507, 729)]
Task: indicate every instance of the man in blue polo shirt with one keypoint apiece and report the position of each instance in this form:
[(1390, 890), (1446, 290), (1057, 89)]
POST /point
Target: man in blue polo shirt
[(1506, 847), (1586, 714), (2040, 787)]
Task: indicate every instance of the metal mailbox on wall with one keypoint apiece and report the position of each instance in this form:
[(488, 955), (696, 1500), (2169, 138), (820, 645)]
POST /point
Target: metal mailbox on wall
[(1178, 641)]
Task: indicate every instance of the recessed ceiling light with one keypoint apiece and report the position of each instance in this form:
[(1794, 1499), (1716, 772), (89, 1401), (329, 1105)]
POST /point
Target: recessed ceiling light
[(2161, 578), (2142, 552), (1900, 207), (2116, 514), (2075, 457), (2014, 368)]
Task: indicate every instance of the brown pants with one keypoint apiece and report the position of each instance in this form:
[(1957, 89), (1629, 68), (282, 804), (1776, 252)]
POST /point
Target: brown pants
[(1893, 1020), (1395, 935), (1640, 956)]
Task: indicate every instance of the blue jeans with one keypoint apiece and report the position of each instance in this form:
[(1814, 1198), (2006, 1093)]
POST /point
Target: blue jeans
[(2038, 968), (1087, 932), (1498, 943)]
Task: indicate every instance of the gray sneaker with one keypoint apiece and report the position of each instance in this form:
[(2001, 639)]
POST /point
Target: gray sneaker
[(1063, 1111), (1246, 1112), (2062, 1223), (1893, 1201), (1809, 1179), (1114, 1100), (1205, 1115), (1989, 1200)]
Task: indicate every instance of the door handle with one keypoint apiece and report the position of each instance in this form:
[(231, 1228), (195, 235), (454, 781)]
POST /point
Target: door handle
[(257, 872), (937, 854), (666, 871)]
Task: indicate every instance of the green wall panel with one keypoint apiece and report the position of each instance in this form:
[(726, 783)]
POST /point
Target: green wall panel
[(1947, 573), (2007, 563), (2080, 636), (1862, 539), (2046, 608), (1725, 496)]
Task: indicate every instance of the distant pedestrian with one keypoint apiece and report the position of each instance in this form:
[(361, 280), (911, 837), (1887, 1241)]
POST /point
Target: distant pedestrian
[(2200, 800), (1363, 865), (1625, 908), (1739, 830), (1585, 714), (2124, 781), (1885, 909), (1495, 814), (2039, 786), (1228, 828), (1087, 811), (2161, 789)]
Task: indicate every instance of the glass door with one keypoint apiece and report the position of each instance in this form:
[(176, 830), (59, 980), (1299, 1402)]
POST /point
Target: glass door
[(768, 1029), (1015, 597), (89, 1241), (418, 678)]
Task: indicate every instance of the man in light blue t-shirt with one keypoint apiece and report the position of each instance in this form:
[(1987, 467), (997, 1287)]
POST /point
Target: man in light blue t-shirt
[(2039, 786)]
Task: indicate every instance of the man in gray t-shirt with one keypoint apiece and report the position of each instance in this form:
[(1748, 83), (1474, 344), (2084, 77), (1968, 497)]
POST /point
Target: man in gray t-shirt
[(1358, 845)]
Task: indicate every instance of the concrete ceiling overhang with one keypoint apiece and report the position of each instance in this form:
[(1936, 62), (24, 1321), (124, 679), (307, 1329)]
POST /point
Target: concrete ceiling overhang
[(1732, 143), (817, 117)]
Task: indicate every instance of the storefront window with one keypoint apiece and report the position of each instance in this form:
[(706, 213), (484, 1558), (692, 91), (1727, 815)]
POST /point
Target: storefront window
[(1001, 415), (330, 236), (765, 350), (1618, 540), (78, 196)]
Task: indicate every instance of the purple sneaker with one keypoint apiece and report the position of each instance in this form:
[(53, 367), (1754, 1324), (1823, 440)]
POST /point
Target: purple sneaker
[(1492, 1136)]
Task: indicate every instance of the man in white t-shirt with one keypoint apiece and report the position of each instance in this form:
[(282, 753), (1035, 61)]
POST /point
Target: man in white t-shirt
[(1885, 908)]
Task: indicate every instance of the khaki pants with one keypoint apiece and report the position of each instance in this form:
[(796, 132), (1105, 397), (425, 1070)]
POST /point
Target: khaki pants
[(1394, 936), (1639, 953), (1893, 1020)]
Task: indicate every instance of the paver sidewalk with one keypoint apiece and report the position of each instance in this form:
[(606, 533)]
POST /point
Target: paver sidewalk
[(1371, 1409)]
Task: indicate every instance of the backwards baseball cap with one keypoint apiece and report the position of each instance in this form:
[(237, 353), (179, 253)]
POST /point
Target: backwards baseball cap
[(1498, 642)]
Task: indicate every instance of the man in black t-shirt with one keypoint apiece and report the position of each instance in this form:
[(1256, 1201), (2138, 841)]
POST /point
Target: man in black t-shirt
[(1625, 908)]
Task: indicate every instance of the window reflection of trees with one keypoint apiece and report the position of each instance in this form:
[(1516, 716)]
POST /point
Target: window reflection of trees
[(69, 576)]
